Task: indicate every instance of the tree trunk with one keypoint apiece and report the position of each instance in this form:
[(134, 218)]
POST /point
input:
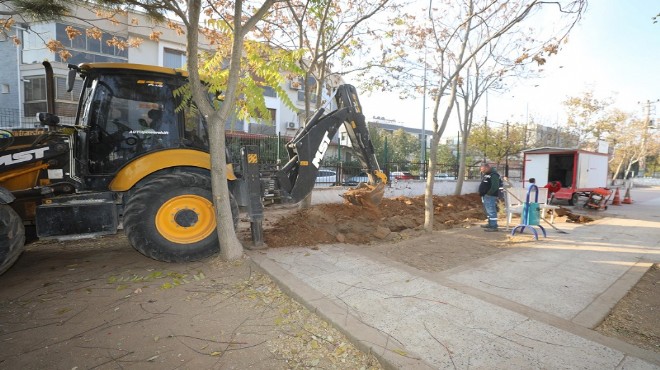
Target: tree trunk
[(462, 167), (428, 191), (230, 246), (616, 172)]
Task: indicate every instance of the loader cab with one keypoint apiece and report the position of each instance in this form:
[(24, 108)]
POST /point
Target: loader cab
[(128, 112)]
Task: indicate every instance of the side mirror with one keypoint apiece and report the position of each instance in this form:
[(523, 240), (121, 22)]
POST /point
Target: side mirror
[(48, 119), (70, 80)]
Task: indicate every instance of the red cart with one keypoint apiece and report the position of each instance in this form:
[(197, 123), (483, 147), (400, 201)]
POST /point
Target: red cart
[(598, 198)]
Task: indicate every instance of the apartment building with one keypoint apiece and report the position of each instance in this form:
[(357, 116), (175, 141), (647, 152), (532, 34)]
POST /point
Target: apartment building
[(22, 80)]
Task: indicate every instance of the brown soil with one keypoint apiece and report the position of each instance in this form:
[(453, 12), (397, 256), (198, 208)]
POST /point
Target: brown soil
[(348, 223), (636, 318)]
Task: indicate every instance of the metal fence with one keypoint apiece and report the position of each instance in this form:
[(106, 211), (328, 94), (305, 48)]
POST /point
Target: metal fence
[(273, 153), (12, 118), (334, 172)]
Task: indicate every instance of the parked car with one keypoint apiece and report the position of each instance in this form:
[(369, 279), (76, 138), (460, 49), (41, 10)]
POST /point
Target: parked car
[(325, 178), (354, 180), (444, 176), (397, 175)]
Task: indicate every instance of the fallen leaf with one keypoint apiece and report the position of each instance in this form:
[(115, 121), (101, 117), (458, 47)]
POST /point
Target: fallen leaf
[(400, 352), (64, 310)]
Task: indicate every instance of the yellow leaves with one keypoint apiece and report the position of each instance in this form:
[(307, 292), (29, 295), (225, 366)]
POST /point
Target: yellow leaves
[(154, 275), (400, 352), (155, 35), (119, 44), (521, 58), (175, 27), (57, 47), (135, 42), (72, 32), (54, 45), (539, 59), (175, 279), (135, 21), (94, 33), (64, 310), (6, 23), (551, 49)]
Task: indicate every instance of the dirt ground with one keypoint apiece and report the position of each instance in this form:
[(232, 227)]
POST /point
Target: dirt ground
[(394, 219), (636, 318), (99, 304)]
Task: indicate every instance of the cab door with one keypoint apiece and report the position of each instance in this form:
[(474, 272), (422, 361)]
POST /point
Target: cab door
[(129, 117)]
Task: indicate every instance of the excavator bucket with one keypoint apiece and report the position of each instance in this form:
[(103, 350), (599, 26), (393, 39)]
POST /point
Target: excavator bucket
[(366, 195)]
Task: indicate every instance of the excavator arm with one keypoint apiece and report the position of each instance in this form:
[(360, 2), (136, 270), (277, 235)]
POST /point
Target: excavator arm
[(306, 150)]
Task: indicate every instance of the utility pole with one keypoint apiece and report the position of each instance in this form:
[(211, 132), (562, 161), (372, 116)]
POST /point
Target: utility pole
[(506, 158), (486, 136), (648, 106), (458, 153), (423, 149)]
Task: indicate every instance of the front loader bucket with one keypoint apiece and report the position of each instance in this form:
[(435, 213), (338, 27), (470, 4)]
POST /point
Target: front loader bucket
[(365, 195)]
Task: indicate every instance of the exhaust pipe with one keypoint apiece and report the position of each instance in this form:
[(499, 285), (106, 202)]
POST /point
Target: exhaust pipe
[(50, 87)]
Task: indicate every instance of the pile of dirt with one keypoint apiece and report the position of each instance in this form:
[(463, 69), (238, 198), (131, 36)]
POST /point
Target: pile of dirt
[(348, 223), (571, 217)]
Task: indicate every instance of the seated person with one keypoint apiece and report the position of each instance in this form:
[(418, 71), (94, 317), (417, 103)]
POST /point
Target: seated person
[(553, 187), (156, 116)]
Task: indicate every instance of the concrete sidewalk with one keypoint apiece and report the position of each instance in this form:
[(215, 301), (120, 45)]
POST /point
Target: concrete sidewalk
[(521, 308)]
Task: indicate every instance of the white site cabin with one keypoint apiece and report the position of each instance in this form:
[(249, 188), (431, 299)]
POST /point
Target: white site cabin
[(578, 171)]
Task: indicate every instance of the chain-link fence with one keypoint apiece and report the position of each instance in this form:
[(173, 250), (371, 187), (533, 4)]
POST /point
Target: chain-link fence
[(334, 170), (338, 171), (12, 118)]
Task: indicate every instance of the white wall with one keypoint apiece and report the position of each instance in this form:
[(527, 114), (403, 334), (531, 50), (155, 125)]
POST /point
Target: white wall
[(411, 188), (147, 53)]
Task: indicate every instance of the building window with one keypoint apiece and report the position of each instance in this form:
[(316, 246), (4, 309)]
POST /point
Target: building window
[(4, 88), (270, 119), (173, 58), (301, 97), (85, 49), (35, 89), (269, 91), (35, 96)]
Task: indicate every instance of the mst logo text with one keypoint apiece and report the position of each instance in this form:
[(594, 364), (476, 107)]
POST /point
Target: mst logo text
[(26, 156)]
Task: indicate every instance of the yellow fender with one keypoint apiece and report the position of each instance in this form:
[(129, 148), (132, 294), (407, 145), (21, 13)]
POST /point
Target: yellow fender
[(141, 167)]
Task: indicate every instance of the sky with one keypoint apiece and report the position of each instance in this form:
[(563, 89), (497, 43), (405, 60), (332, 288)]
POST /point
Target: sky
[(614, 51)]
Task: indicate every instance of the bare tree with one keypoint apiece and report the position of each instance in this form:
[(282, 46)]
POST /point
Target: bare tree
[(455, 35), (328, 33)]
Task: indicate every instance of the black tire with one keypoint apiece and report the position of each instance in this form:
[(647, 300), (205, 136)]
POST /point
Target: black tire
[(172, 218), (12, 237), (575, 199)]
